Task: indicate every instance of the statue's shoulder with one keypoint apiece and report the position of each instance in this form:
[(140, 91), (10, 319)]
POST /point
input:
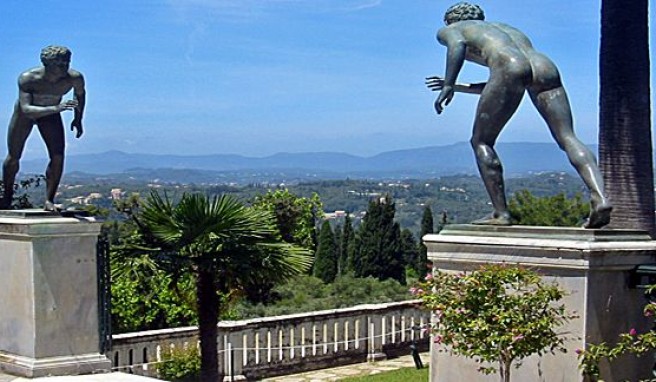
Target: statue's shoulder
[(74, 73), (32, 74)]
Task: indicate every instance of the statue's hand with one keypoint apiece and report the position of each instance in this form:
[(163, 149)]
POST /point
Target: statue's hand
[(435, 83), (71, 104), (77, 125), (445, 97)]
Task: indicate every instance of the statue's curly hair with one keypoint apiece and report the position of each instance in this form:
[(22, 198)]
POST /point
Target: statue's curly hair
[(463, 11), (54, 52)]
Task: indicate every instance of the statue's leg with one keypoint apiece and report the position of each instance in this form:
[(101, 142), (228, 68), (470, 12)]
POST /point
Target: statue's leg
[(553, 105), (17, 133), (499, 101), (51, 129)]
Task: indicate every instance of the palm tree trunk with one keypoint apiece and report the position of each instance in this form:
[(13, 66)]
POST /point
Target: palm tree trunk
[(208, 313), (625, 143)]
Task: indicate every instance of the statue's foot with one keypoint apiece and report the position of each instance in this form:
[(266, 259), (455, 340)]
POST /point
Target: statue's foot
[(599, 215), (494, 219), (52, 207)]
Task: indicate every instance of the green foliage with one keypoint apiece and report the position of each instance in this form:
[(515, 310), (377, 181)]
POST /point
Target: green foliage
[(225, 244), (308, 293), (631, 342), (221, 234), (149, 299), (427, 226), (406, 374), (410, 251), (378, 253), (296, 217), (495, 314), (325, 259), (180, 365), (347, 247), (24, 191), (144, 297), (558, 210)]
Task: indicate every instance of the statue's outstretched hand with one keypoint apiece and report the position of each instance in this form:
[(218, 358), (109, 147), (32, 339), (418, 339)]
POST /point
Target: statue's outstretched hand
[(67, 105), (435, 83)]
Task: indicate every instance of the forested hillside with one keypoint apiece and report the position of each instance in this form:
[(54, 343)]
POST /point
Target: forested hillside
[(461, 197)]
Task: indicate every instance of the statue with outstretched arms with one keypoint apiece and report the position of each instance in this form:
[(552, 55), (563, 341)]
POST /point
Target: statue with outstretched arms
[(515, 68)]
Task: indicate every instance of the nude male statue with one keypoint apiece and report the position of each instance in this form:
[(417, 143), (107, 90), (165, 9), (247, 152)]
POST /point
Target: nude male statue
[(515, 67), (40, 93)]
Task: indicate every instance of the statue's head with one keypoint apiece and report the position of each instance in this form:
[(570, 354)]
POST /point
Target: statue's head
[(463, 11), (53, 55)]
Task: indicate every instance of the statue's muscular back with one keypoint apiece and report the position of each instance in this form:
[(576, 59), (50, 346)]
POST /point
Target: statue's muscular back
[(502, 47)]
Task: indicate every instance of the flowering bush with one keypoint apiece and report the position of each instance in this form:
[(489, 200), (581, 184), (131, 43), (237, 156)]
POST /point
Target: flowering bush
[(497, 314), (631, 342)]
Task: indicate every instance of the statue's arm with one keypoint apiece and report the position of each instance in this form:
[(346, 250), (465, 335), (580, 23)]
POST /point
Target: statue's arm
[(456, 52), (455, 58), (33, 111), (436, 83), (80, 96)]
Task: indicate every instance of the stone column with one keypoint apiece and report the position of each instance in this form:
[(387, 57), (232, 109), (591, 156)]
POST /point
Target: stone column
[(48, 295), (594, 268)]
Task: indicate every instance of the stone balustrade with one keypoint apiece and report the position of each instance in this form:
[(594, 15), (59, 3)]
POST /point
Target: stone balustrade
[(270, 346)]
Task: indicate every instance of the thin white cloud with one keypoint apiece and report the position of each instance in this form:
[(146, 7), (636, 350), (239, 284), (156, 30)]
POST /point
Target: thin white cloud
[(365, 5), (239, 10)]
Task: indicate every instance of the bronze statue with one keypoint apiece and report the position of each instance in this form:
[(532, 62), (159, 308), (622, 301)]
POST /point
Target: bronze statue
[(515, 67), (40, 93)]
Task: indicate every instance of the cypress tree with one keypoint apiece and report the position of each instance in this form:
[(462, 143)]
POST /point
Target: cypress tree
[(337, 232), (325, 261), (427, 226), (346, 247), (410, 250), (378, 253)]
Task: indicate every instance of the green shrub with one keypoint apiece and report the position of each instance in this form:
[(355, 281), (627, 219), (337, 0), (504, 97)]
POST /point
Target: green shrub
[(553, 211), (308, 294), (180, 365), (497, 314)]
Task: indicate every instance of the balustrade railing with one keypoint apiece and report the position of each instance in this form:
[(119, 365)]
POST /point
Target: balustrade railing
[(281, 345)]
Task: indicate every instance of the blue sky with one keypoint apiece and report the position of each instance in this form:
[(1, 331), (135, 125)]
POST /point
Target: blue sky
[(256, 77)]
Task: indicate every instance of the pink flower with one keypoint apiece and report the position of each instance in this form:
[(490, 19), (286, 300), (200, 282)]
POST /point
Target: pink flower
[(429, 277), (517, 338), (413, 290), (633, 332)]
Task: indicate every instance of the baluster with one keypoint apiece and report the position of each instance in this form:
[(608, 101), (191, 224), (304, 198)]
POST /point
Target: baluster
[(306, 340), (293, 333), (280, 337), (269, 346), (324, 338), (315, 338), (347, 335)]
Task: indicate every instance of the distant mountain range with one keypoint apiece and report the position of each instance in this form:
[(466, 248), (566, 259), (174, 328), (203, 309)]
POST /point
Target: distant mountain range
[(518, 158)]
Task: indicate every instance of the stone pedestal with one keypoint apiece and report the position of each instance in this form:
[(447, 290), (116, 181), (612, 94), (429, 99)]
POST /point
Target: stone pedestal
[(593, 266), (48, 295)]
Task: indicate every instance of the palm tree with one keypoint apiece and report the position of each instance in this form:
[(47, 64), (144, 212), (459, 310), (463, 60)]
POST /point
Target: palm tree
[(625, 143), (225, 244)]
